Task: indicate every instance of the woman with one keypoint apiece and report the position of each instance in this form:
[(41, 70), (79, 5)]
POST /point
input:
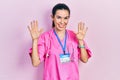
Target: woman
[(59, 48)]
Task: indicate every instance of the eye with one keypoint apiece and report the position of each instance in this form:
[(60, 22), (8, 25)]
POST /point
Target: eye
[(66, 18), (58, 17)]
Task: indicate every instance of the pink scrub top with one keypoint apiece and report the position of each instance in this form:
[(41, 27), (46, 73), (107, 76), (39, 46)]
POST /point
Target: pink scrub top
[(49, 51)]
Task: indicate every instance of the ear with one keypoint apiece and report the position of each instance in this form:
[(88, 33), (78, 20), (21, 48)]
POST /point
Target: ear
[(52, 17)]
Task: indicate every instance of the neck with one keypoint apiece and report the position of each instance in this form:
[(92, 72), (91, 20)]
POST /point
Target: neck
[(61, 34)]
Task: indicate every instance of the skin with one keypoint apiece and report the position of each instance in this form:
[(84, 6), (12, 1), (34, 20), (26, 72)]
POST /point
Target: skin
[(60, 19)]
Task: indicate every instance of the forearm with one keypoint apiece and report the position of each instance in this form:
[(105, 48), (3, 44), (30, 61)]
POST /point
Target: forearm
[(34, 55), (83, 53)]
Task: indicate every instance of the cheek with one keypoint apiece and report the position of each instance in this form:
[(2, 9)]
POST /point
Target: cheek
[(66, 21), (57, 21)]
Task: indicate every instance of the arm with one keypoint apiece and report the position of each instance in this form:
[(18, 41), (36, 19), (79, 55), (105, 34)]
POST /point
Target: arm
[(83, 53), (34, 56), (80, 36), (35, 33)]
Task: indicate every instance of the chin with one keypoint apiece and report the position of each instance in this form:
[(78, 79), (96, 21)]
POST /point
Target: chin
[(61, 28)]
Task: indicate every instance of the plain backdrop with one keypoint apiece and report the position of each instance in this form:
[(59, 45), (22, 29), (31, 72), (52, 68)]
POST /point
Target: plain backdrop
[(102, 17)]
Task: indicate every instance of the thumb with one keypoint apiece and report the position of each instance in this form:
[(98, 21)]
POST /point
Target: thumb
[(41, 30), (75, 32)]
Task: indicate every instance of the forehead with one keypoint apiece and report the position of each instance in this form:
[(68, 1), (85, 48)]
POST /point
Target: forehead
[(62, 13)]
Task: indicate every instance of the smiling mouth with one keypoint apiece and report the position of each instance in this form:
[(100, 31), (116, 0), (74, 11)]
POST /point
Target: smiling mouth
[(62, 25)]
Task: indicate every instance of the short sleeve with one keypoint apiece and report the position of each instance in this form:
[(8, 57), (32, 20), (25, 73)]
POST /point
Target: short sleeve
[(41, 48), (87, 49), (74, 39)]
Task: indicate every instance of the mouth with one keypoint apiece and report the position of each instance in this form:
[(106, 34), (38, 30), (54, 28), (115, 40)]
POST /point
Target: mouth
[(62, 25)]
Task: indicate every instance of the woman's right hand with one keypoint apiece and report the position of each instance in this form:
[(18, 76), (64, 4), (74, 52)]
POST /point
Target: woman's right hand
[(33, 28)]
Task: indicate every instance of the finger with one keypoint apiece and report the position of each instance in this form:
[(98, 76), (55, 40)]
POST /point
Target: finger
[(82, 26), (79, 27), (86, 29), (32, 25), (41, 30), (35, 26), (29, 28), (75, 32), (36, 23)]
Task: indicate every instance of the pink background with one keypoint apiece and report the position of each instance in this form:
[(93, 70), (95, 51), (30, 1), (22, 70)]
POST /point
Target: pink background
[(102, 17)]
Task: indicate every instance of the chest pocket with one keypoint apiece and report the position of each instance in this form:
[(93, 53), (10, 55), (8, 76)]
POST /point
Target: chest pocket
[(73, 50), (51, 49)]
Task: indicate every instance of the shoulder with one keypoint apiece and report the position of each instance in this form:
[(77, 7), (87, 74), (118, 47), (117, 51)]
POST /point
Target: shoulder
[(46, 33), (71, 33), (45, 36)]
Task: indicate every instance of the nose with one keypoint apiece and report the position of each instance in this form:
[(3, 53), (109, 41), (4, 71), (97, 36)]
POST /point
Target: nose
[(62, 21)]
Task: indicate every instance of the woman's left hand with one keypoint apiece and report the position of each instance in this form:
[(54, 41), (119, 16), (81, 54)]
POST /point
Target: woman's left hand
[(81, 31)]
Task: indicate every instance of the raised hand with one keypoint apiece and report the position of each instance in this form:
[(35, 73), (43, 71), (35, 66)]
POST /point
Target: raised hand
[(33, 28), (81, 31)]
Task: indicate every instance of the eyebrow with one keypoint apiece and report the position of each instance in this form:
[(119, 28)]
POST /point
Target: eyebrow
[(62, 17)]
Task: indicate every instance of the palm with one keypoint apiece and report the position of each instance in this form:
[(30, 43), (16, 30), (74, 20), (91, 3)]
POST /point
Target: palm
[(33, 28), (81, 31)]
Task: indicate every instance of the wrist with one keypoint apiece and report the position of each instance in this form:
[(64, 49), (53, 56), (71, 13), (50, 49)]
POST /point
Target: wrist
[(35, 43), (36, 39), (81, 42), (81, 46)]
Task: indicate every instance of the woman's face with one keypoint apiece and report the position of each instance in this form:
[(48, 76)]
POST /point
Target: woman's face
[(61, 19)]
